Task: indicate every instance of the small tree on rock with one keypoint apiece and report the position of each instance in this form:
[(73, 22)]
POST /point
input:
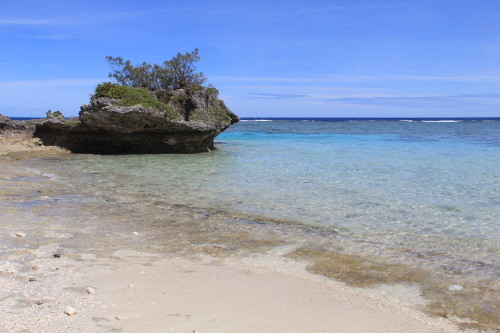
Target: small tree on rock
[(182, 71), (179, 72)]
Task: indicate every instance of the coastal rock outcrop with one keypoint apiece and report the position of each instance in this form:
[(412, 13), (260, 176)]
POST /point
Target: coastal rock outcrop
[(16, 129), (127, 120)]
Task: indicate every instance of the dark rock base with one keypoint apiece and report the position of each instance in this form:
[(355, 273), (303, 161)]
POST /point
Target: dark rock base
[(136, 143)]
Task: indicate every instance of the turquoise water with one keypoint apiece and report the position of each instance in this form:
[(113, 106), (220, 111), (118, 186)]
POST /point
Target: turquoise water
[(424, 193)]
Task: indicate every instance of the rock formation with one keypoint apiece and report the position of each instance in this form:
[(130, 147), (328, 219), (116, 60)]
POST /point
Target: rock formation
[(16, 129), (138, 121)]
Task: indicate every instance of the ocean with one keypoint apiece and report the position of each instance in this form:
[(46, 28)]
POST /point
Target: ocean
[(371, 202)]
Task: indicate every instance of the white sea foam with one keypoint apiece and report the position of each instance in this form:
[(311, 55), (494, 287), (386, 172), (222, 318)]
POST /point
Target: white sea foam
[(51, 176), (441, 121), (256, 120)]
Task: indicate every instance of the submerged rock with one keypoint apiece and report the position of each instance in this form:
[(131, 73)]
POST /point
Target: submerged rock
[(141, 121)]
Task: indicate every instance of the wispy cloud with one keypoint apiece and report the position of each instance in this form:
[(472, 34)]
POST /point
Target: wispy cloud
[(463, 78), (50, 83), (363, 78), (52, 37), (24, 22), (74, 18), (274, 96), (465, 100), (348, 6)]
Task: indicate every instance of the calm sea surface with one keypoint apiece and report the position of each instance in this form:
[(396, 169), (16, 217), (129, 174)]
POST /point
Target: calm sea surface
[(424, 194)]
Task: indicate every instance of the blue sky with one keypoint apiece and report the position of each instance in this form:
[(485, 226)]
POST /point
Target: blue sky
[(357, 58)]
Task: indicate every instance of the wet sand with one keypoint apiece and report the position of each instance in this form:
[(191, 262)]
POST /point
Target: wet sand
[(56, 245)]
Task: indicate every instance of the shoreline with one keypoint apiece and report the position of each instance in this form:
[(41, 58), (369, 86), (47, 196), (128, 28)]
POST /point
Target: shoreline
[(256, 291)]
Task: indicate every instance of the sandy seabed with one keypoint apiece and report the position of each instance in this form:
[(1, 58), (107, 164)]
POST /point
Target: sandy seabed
[(55, 261)]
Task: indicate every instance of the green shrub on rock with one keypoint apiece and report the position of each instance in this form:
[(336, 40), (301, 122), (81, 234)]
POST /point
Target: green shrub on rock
[(55, 114), (212, 90), (130, 96), (72, 122), (216, 114)]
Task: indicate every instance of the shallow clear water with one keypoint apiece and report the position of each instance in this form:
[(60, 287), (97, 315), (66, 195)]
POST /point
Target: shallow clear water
[(432, 184), (398, 190)]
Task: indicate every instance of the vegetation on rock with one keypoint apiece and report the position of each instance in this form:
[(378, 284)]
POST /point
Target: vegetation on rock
[(200, 104), (130, 96), (55, 114), (174, 87), (72, 122), (216, 113)]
